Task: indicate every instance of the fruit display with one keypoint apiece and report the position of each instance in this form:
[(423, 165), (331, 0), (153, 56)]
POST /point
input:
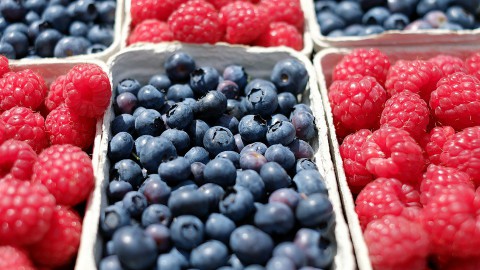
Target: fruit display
[(56, 28), (48, 118), (408, 132), (211, 167)]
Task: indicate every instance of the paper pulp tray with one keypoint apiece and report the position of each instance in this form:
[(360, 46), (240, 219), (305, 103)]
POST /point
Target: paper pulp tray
[(307, 39), (324, 62), (141, 63)]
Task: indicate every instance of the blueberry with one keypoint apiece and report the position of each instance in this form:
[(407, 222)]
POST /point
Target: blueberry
[(274, 176), (213, 193), (255, 266), (31, 17), (252, 128), (310, 182), (262, 101), (301, 149), (173, 260), (239, 144), (209, 256), (179, 92), (58, 16), (120, 146), (188, 202), (258, 83), (35, 5), (396, 21), (174, 171), (197, 154), (179, 139), (128, 85), (19, 42), (155, 190), (282, 132), (110, 263), (218, 139), (3, 24), (376, 16), (204, 79), (211, 106), (156, 151), (277, 118), (160, 81), (220, 171), (458, 15), (304, 123), (70, 46), (140, 143), (84, 10), (229, 122), (106, 11), (319, 250), (252, 160), (321, 6), (257, 147), (290, 75), (179, 116), (237, 203), (100, 34), (350, 11), (291, 251), (275, 218), (112, 218), (251, 245), (187, 232), (117, 189), (229, 89), (435, 18), (425, 6), (161, 235), (178, 67), (287, 196), (16, 27), (372, 30), (12, 10), (129, 171), (451, 26), (37, 27), (305, 164), (418, 25), (219, 227), (156, 214), (196, 169), (235, 108), (406, 7), (236, 74), (185, 185), (354, 30), (135, 203), (139, 110), (300, 108), (286, 101), (329, 22), (233, 156), (149, 122), (281, 155), (150, 98), (136, 249), (196, 131), (280, 263)]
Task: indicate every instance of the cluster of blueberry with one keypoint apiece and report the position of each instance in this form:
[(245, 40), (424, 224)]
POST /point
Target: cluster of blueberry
[(192, 186), (368, 17), (55, 28)]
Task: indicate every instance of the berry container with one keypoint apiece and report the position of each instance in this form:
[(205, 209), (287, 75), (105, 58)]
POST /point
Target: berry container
[(324, 62), (143, 62), (307, 39)]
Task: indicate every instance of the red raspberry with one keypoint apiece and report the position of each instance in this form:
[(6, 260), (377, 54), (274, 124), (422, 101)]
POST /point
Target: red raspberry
[(395, 242), (393, 153), (436, 139), (23, 88), (462, 151), (60, 244), (438, 177), (14, 258), (25, 125), (66, 171), (55, 95), (407, 111), (16, 160), (150, 31), (355, 168), (289, 11), (87, 90), (153, 9), (472, 64), (220, 3), (371, 62), (26, 210), (357, 102), (242, 21), (387, 196), (196, 21), (456, 101), (65, 127), (280, 34), (4, 68), (3, 131), (340, 130), (448, 64), (471, 263), (452, 219)]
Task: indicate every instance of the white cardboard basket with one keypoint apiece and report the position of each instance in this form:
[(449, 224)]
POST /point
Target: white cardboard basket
[(141, 63), (324, 62)]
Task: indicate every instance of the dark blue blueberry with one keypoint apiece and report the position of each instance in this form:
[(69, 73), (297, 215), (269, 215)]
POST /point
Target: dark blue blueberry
[(135, 203), (237, 203), (301, 149), (425, 6), (282, 132), (274, 176), (262, 101), (149, 122), (161, 235), (179, 92), (235, 108), (376, 16), (160, 81), (325, 5), (58, 16), (197, 154), (204, 79), (178, 67), (256, 266), (19, 42), (112, 218), (458, 15), (101, 34), (258, 83), (209, 256), (128, 85), (251, 180), (310, 182), (168, 104), (214, 194), (196, 131), (282, 155), (274, 218), (191, 102), (290, 75), (396, 21), (287, 196), (258, 147), (187, 232), (318, 249), (229, 89), (7, 50), (286, 101), (236, 74), (229, 122), (117, 189), (372, 30), (211, 106), (35, 5), (150, 98), (239, 144), (277, 118), (179, 138), (12, 10), (126, 103), (336, 33), (120, 146), (78, 29), (3, 24), (350, 11), (220, 171), (329, 22), (109, 248), (184, 185), (140, 143), (218, 139), (188, 202), (233, 156), (251, 245), (156, 151), (235, 262), (314, 210), (84, 10), (291, 251), (252, 160), (155, 190), (136, 249), (304, 124), (31, 17), (70, 46), (129, 171), (156, 214), (174, 171), (106, 11), (305, 164), (219, 227), (252, 128), (354, 30), (110, 263), (280, 263), (174, 260), (451, 26), (179, 116), (300, 108), (406, 7), (196, 169)]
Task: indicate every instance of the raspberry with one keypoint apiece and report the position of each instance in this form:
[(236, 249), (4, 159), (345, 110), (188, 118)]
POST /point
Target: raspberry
[(220, 3), (438, 177), (26, 210), (65, 127), (14, 258), (397, 243), (66, 171), (371, 62), (452, 219), (55, 95), (357, 102), (150, 31), (61, 242), (4, 68), (392, 152), (407, 111), (456, 101), (340, 130), (196, 21), (25, 125), (472, 64), (436, 139), (355, 168), (239, 19), (16, 160), (472, 263), (462, 151), (289, 11), (280, 34), (24, 88), (416, 76), (3, 131), (152, 9), (448, 64), (87, 90)]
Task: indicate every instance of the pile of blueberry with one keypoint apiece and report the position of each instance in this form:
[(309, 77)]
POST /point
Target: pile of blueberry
[(55, 28), (368, 17), (213, 170)]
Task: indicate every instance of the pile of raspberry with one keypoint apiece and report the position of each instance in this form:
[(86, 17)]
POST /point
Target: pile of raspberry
[(264, 23), (45, 174), (410, 145)]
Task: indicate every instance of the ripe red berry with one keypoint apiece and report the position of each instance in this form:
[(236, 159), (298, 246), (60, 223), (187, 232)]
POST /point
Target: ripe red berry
[(23, 88), (55, 95), (472, 64), (220, 3), (4, 68), (16, 160), (12, 257), (242, 22), (280, 34), (150, 30), (141, 10), (289, 11), (436, 139), (469, 263), (448, 64), (3, 131)]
